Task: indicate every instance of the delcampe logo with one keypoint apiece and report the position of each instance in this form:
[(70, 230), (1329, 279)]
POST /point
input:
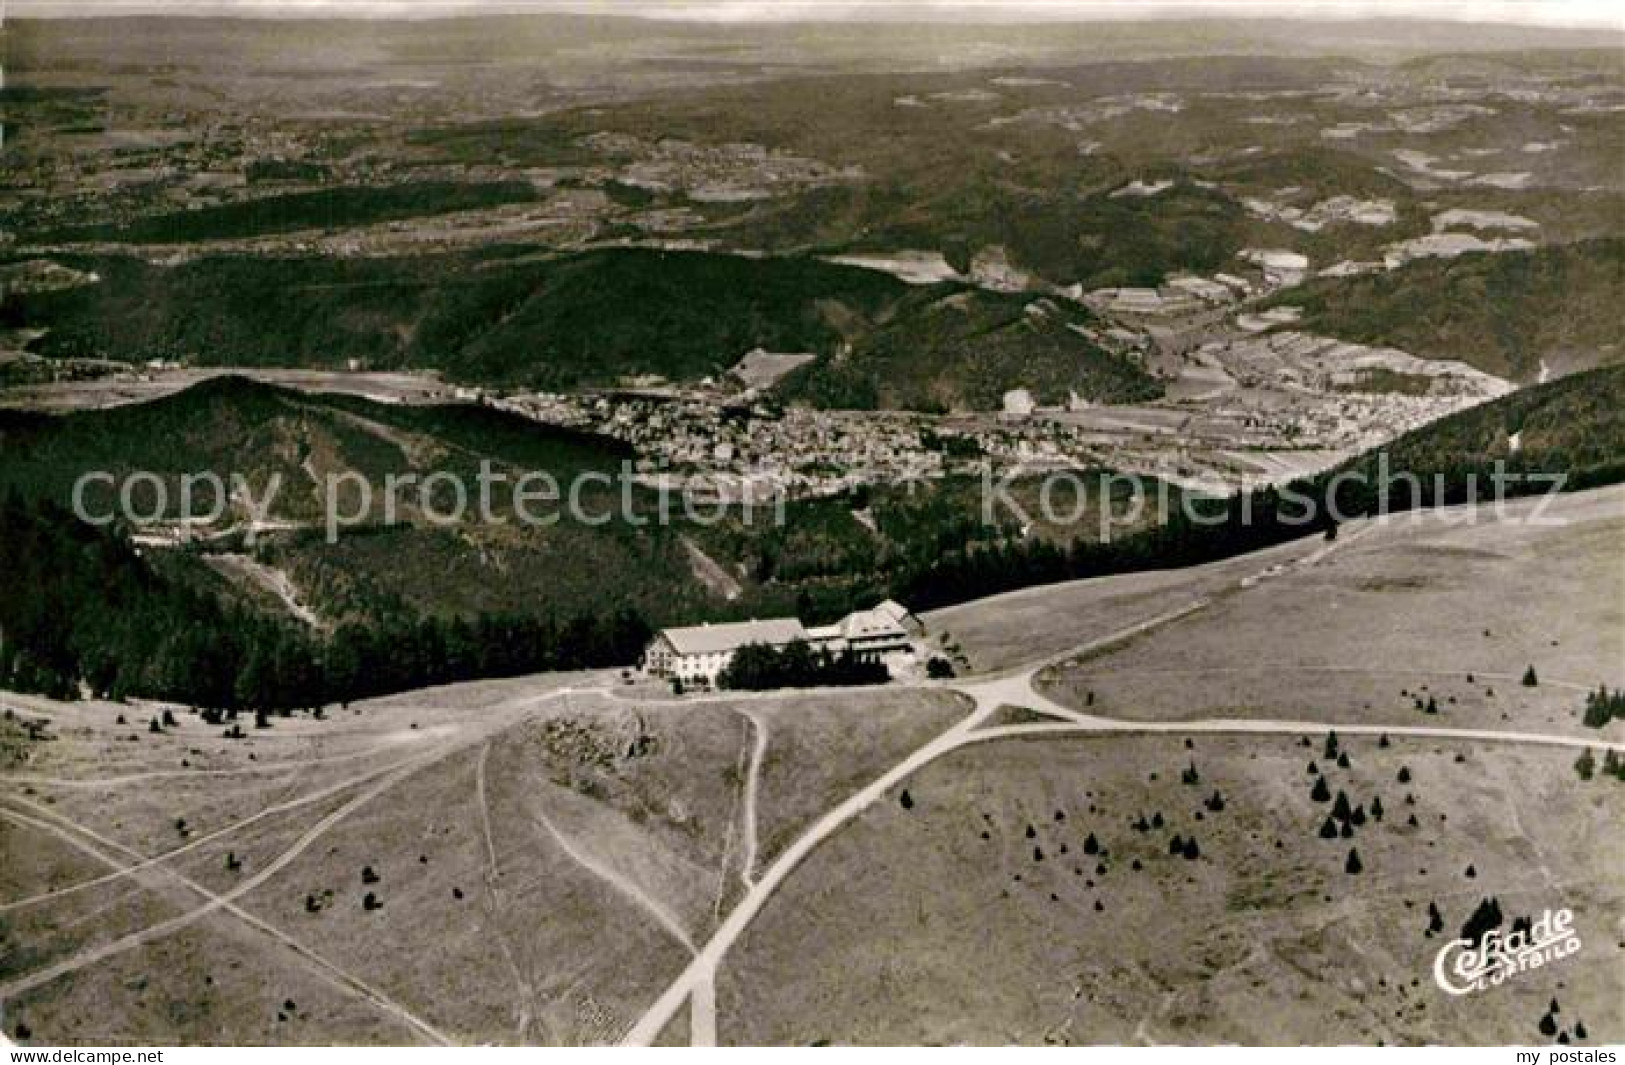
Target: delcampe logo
[(1462, 967)]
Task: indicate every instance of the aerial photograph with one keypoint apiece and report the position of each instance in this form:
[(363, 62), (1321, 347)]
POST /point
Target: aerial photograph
[(783, 523)]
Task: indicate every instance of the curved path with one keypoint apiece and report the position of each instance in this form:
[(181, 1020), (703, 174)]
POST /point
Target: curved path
[(615, 879), (236, 826), (753, 783), (376, 783), (695, 985), (520, 707), (227, 902), (700, 975), (989, 696)]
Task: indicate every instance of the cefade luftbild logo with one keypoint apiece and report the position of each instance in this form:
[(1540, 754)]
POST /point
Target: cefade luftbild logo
[(1463, 967)]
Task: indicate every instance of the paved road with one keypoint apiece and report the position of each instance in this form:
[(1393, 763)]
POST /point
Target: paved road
[(1078, 723)]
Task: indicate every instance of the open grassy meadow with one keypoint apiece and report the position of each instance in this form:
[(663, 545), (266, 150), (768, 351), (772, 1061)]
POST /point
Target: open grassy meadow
[(1429, 621), (984, 915), (511, 861)]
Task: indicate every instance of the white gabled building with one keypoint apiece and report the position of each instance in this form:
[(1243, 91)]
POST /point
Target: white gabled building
[(698, 654), (905, 618), (871, 632)]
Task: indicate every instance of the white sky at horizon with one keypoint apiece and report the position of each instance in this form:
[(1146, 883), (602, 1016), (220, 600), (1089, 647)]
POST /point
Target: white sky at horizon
[(1609, 14)]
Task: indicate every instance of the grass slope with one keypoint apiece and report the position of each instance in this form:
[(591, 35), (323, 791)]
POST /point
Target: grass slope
[(977, 916)]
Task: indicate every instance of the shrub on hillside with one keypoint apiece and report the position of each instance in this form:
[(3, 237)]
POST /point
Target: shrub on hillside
[(760, 667), (1603, 706)]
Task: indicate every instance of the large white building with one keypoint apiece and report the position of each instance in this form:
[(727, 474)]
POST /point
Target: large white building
[(698, 654)]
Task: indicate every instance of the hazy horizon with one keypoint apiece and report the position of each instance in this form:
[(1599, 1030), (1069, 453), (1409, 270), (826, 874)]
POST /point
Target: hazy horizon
[(1545, 13)]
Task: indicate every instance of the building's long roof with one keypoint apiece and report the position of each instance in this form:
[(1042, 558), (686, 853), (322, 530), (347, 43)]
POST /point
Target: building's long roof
[(871, 624), (891, 608), (710, 639)]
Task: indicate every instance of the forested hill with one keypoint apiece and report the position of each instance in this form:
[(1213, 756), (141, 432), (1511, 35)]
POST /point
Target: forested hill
[(505, 318), (290, 459), (1574, 427), (1506, 313), (82, 608), (946, 348), (496, 317), (83, 611), (232, 425)]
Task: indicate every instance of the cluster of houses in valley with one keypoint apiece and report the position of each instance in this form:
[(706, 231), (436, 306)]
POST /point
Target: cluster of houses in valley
[(697, 655), (701, 442)]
